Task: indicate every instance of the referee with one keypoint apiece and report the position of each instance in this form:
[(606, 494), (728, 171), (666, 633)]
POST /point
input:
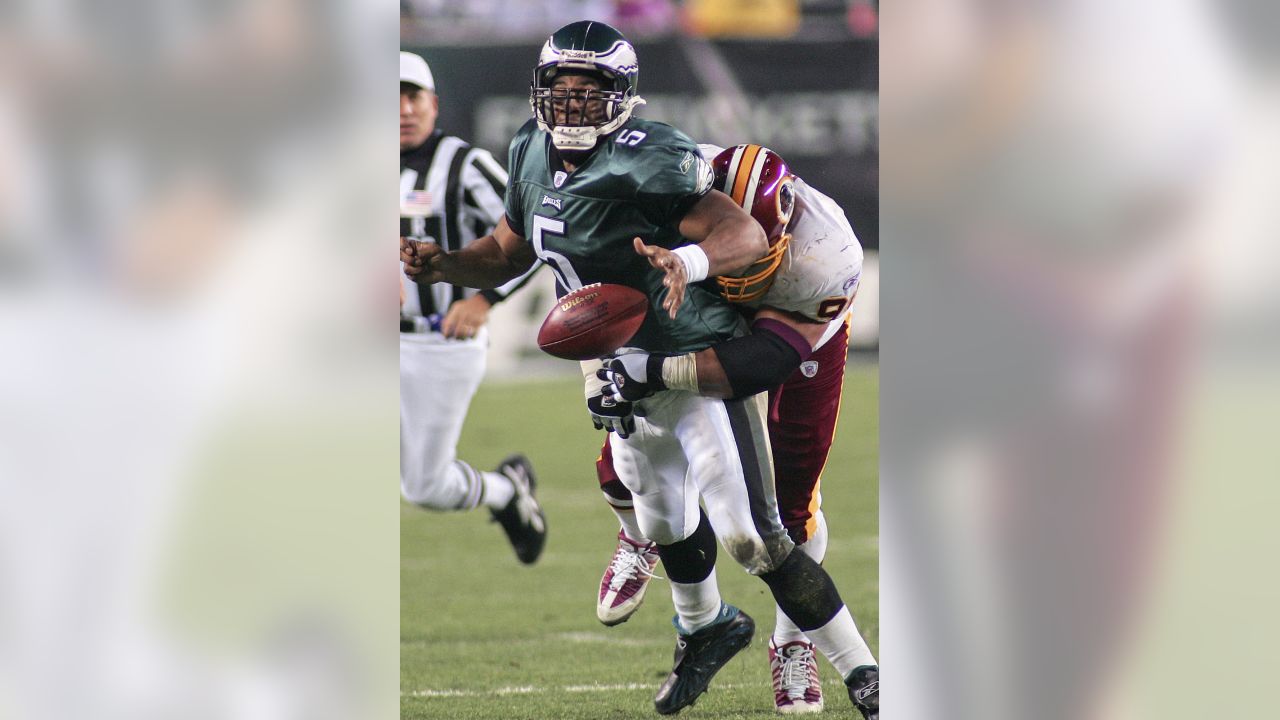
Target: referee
[(451, 194)]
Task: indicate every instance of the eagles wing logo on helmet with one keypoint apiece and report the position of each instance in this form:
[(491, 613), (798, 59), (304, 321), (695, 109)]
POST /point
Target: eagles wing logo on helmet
[(597, 49)]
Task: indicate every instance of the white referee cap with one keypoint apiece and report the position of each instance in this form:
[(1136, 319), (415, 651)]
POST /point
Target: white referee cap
[(413, 69)]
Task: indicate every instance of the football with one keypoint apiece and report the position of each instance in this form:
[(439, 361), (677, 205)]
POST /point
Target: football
[(592, 321)]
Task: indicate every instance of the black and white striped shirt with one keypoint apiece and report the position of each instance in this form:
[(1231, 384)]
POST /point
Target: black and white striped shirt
[(450, 194)]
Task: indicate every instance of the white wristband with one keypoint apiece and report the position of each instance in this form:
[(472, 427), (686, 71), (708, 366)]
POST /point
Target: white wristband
[(695, 262)]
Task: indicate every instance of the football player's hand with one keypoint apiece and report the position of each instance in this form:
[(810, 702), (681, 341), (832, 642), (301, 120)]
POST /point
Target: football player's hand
[(417, 257), (672, 267), (465, 318), (409, 252), (632, 377), (608, 414)]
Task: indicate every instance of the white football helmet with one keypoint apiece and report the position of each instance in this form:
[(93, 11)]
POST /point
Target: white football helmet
[(593, 48)]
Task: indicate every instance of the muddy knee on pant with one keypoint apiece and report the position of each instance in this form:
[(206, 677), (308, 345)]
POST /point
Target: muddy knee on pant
[(758, 556)]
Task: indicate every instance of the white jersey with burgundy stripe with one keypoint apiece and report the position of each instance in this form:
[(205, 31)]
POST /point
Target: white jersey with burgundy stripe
[(820, 272)]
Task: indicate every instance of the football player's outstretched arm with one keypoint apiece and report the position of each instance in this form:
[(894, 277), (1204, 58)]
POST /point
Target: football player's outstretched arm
[(486, 263), (728, 238), (727, 234), (759, 361), (741, 367)]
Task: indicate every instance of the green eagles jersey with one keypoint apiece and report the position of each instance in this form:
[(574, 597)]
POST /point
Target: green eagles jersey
[(638, 182)]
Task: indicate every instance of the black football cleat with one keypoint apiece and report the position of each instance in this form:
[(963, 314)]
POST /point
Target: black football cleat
[(700, 655), (864, 690), (522, 518)]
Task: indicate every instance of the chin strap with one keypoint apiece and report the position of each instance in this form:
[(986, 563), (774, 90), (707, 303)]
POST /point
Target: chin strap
[(570, 139)]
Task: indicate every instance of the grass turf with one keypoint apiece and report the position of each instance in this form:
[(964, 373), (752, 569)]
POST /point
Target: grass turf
[(483, 637)]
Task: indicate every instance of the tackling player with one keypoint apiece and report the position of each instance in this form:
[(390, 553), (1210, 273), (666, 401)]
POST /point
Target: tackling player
[(588, 180), (799, 295)]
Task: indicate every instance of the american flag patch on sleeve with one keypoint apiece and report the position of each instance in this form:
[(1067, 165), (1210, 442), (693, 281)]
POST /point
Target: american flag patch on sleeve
[(417, 202)]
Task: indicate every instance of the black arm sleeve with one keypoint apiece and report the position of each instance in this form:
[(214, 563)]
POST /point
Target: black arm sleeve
[(762, 360)]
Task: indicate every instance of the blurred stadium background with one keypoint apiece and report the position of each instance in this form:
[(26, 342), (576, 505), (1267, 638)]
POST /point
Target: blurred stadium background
[(482, 637)]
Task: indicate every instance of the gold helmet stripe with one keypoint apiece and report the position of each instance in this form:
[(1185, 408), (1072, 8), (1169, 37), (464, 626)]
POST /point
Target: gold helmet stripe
[(743, 177), (731, 175)]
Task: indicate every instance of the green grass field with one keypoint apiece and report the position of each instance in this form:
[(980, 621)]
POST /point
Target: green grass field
[(483, 637)]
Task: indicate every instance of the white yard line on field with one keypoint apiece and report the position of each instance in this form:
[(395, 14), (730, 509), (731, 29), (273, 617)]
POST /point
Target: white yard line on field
[(607, 639), (529, 689), (521, 690), (532, 689)]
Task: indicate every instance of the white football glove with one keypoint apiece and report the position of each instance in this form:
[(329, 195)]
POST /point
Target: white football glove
[(632, 377)]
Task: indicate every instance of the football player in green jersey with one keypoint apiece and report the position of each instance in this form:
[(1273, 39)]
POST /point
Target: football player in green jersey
[(599, 195)]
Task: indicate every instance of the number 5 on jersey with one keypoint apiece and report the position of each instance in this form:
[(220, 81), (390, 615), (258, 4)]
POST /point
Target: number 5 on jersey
[(558, 263), (630, 137)]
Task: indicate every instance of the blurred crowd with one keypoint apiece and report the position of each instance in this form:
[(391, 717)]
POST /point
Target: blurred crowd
[(445, 21)]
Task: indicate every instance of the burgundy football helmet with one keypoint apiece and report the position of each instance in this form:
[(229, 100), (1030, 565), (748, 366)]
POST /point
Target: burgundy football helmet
[(757, 179)]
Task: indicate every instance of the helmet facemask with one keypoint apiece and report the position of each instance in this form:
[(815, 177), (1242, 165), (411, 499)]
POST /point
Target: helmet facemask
[(577, 117), (755, 281)]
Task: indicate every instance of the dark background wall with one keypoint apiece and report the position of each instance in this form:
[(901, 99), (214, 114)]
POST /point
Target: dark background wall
[(816, 103)]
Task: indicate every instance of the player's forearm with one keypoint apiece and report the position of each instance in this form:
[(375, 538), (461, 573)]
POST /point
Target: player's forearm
[(733, 244), (740, 367), (712, 380), (482, 264)]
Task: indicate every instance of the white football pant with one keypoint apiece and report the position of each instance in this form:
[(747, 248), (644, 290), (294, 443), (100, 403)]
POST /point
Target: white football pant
[(686, 446), (438, 378)]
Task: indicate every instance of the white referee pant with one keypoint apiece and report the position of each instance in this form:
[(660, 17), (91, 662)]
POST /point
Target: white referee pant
[(438, 378), (686, 446)]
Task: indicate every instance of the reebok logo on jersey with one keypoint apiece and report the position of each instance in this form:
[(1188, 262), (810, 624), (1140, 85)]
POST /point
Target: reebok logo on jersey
[(553, 202)]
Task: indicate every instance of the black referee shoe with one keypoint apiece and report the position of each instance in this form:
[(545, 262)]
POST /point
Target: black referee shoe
[(864, 690), (522, 519), (699, 656)]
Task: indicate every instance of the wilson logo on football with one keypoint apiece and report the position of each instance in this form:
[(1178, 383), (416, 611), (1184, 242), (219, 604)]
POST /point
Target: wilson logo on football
[(565, 307)]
